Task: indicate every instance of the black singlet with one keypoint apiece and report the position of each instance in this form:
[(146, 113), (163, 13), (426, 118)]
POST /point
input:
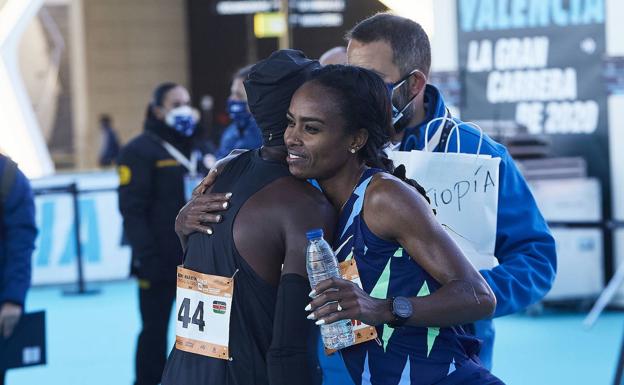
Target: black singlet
[(254, 299)]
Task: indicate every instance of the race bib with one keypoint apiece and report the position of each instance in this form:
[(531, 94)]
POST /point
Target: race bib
[(362, 331), (203, 306)]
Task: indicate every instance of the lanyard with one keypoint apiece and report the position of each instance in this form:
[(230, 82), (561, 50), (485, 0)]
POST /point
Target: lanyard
[(189, 164), (437, 136)]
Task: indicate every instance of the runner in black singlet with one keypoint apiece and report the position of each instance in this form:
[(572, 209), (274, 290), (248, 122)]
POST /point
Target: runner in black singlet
[(262, 229)]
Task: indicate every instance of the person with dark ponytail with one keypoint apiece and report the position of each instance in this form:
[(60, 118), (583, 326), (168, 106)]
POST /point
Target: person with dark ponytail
[(155, 170), (418, 286)]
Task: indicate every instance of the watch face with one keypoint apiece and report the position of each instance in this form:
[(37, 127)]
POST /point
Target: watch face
[(402, 307)]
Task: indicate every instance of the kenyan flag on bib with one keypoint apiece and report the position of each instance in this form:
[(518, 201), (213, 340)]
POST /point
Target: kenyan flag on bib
[(219, 307)]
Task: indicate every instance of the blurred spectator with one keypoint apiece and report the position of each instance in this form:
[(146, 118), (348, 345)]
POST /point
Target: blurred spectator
[(336, 55), (210, 133), (110, 144), (17, 242), (207, 117), (243, 132), (156, 170)]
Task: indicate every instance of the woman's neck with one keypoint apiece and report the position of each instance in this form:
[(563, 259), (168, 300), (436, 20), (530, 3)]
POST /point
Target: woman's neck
[(339, 187)]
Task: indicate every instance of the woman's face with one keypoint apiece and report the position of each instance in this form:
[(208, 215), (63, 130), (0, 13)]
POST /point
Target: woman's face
[(176, 97), (316, 137)]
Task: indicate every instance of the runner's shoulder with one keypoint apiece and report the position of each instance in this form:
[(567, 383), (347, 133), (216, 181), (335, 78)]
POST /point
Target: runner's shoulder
[(383, 186), (299, 194), (388, 195), (223, 162)]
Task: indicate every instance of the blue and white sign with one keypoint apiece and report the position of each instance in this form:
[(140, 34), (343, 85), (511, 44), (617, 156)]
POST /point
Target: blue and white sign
[(540, 64), (54, 260)]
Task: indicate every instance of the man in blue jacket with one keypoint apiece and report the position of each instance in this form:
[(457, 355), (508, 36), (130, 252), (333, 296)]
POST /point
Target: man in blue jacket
[(243, 132), (17, 242), (398, 50)]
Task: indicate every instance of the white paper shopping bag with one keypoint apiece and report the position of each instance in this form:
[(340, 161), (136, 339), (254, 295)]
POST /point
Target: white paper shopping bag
[(463, 189)]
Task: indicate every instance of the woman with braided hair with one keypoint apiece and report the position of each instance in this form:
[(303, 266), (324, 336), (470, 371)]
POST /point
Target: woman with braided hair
[(418, 287)]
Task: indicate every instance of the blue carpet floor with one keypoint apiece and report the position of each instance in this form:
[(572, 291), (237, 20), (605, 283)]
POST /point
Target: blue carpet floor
[(91, 341)]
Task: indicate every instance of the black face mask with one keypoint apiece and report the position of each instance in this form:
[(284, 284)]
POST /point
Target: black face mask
[(401, 115)]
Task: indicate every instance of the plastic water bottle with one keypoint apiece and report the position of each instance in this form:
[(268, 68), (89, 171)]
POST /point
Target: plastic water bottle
[(321, 265)]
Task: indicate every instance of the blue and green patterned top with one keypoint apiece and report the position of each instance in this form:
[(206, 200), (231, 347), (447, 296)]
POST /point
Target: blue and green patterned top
[(406, 355)]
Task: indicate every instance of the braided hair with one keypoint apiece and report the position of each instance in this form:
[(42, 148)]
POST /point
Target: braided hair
[(363, 102)]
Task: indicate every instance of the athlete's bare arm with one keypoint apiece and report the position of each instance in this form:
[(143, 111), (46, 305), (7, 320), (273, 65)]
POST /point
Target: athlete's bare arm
[(394, 211)]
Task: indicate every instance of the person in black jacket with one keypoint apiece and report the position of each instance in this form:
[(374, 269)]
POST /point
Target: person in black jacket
[(156, 169)]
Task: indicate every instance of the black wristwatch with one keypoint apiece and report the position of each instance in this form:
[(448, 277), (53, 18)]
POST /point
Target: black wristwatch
[(401, 309)]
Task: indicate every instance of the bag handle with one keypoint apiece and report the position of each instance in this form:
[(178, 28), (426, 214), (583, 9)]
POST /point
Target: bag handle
[(444, 118), (455, 127), (480, 135)]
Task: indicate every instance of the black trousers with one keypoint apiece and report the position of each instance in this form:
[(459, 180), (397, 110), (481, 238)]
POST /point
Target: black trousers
[(155, 302)]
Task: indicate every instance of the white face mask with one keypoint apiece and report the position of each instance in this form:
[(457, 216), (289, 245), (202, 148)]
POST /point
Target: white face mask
[(182, 119)]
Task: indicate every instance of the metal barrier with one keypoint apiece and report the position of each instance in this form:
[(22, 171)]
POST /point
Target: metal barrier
[(73, 190)]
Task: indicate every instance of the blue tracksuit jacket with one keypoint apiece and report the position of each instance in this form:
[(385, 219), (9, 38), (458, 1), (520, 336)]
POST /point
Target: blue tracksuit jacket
[(17, 240), (525, 249), (251, 138)]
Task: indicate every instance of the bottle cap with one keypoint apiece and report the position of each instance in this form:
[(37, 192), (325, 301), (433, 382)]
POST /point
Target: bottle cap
[(314, 234)]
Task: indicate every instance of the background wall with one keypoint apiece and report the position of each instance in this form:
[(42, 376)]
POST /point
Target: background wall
[(121, 51), (214, 60), (36, 68), (444, 36)]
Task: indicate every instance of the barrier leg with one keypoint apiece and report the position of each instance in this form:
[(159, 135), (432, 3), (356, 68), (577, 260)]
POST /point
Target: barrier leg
[(81, 288)]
